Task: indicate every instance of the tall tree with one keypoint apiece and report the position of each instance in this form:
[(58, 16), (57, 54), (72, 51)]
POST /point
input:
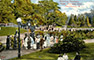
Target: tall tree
[(6, 12), (72, 21), (23, 9), (87, 22), (93, 21), (83, 20)]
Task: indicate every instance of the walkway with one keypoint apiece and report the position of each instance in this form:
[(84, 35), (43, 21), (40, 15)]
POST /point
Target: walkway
[(8, 54)]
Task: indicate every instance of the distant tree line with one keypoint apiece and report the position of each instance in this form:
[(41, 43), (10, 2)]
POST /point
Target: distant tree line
[(46, 12), (82, 20)]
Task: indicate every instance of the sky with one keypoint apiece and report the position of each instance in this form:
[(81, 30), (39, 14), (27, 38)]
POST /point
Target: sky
[(73, 6)]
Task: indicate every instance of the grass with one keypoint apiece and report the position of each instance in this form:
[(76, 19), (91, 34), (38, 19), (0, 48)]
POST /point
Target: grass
[(9, 31), (86, 54), (78, 27)]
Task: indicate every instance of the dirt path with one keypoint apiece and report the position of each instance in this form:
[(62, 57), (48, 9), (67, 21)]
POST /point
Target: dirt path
[(8, 54)]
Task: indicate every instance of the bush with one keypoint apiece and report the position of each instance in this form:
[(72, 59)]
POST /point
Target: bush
[(69, 44)]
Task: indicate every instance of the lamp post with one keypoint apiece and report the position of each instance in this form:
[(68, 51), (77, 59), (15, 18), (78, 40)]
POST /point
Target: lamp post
[(19, 44), (29, 25)]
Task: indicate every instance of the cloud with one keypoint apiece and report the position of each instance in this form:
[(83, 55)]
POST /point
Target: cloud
[(71, 9)]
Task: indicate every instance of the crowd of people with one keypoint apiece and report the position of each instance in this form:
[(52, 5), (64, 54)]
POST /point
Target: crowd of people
[(40, 41), (32, 41)]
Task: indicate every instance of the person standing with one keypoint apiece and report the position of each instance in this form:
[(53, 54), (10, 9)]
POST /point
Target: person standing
[(15, 41), (52, 40), (12, 41), (29, 42), (77, 57), (32, 42), (41, 43), (65, 56), (25, 42), (61, 38), (60, 57), (38, 41), (48, 40), (8, 42), (56, 39)]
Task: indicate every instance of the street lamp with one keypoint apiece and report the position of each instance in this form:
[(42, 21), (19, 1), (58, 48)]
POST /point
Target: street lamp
[(19, 43), (29, 25)]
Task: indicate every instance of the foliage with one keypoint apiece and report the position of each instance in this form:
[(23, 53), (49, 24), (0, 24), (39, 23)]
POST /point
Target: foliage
[(81, 21), (69, 44), (71, 21), (87, 21), (6, 12), (46, 12), (93, 21)]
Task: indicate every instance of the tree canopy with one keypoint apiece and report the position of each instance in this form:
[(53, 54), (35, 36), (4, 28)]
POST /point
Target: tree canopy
[(46, 12)]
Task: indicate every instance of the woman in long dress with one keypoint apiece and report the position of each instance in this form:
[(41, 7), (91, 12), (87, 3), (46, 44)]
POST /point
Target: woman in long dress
[(32, 42), (65, 56), (25, 42), (60, 57)]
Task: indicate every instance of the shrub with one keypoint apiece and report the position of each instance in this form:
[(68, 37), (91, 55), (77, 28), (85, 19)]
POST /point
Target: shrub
[(69, 44)]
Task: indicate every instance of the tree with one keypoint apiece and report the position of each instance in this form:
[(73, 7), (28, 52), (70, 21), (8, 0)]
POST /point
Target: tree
[(72, 21), (83, 21), (23, 9), (50, 11), (6, 12), (87, 22), (46, 12), (75, 18), (93, 21)]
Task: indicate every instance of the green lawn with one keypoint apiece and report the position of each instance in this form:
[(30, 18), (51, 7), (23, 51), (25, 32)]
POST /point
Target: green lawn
[(86, 54), (9, 31), (78, 27)]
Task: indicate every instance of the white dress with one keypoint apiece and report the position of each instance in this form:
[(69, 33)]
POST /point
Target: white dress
[(51, 40), (65, 57), (60, 58), (32, 42), (45, 44)]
